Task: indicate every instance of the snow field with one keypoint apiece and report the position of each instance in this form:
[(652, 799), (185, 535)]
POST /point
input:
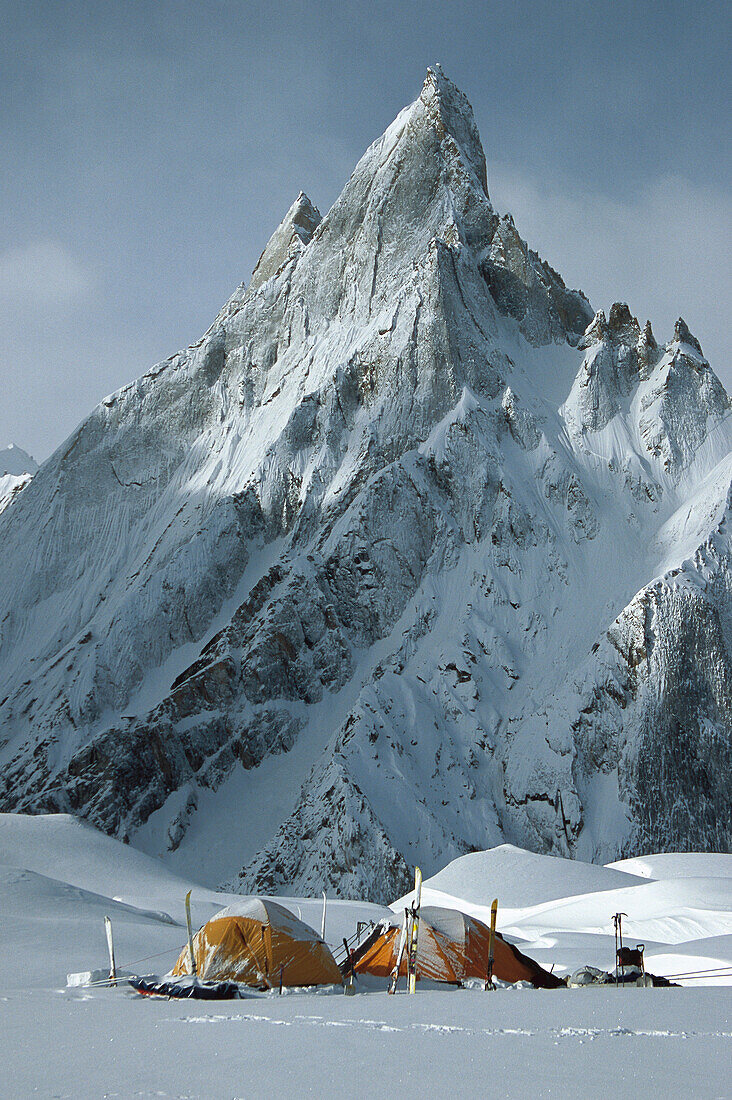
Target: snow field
[(578, 1043)]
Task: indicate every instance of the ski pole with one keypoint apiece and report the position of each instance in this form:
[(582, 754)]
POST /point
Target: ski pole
[(400, 954), (620, 936), (110, 948)]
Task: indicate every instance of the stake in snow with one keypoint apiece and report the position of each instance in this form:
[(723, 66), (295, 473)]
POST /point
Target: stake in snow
[(412, 553)]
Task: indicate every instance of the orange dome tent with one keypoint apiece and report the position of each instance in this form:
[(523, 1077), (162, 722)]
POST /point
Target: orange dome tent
[(256, 941), (451, 947)]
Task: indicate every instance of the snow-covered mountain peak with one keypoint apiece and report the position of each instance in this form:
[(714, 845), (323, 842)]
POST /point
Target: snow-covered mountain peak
[(448, 108), (16, 471), (659, 403), (14, 460), (682, 335), (620, 327), (346, 580)]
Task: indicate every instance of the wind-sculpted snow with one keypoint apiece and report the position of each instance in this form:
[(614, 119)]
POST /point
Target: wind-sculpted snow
[(408, 556)]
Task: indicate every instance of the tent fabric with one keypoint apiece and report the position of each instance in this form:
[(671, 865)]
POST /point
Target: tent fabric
[(253, 941), (451, 947)]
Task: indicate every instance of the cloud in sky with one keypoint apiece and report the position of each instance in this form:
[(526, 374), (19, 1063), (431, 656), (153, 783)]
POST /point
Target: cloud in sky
[(41, 273)]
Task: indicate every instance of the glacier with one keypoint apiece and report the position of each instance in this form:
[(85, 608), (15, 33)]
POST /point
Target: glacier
[(412, 554)]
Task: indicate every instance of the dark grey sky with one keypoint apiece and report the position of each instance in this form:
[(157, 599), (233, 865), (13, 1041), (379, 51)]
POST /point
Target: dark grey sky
[(150, 148)]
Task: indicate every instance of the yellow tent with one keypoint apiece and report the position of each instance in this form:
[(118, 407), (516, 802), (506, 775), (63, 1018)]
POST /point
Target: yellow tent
[(451, 947), (259, 943)]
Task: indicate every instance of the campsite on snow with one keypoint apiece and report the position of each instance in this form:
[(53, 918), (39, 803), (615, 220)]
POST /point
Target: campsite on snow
[(60, 878), (365, 665)]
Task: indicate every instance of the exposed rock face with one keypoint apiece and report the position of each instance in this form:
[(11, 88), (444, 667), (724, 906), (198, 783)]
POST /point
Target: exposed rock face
[(409, 555), (288, 240), (525, 287)]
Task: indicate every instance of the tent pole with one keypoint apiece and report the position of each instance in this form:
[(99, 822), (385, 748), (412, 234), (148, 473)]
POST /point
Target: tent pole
[(190, 932), (349, 988), (322, 923)]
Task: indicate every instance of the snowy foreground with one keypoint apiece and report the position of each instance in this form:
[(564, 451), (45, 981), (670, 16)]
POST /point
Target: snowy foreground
[(58, 878)]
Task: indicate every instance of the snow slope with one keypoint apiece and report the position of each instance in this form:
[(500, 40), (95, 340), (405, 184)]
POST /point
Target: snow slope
[(670, 865), (60, 876), (521, 878), (410, 555)]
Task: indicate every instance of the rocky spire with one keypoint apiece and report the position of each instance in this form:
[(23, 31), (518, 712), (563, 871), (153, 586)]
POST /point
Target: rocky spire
[(292, 234), (620, 325), (450, 111), (595, 331), (621, 322), (682, 335), (647, 350)]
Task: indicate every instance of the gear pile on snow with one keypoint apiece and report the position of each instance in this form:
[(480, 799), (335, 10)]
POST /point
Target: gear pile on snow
[(410, 512)]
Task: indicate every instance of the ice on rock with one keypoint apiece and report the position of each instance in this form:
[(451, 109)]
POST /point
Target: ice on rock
[(407, 557)]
